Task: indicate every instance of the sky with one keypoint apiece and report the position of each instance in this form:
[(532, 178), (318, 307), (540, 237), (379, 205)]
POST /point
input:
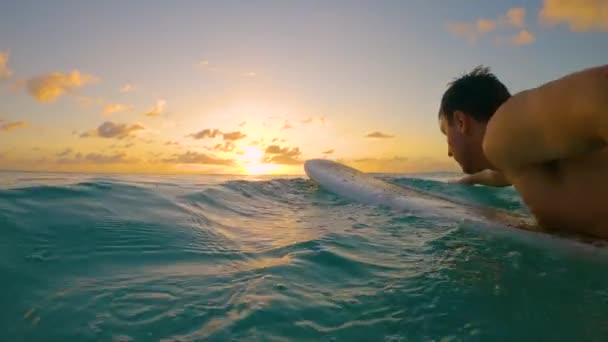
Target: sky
[(258, 87)]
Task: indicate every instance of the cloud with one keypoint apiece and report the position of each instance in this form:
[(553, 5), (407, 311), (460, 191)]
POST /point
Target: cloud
[(328, 151), (472, 31), (486, 25), (169, 143), (203, 63), (379, 135), (88, 102), (212, 133), (249, 74), (126, 88), (206, 133), (242, 123), (579, 15), (226, 147), (234, 136), (65, 152), (277, 155), (49, 87), (311, 119), (5, 72), (287, 125), (197, 158), (515, 17), (106, 159), (464, 30), (524, 37), (110, 129), (95, 158), (11, 126), (158, 108), (114, 108)]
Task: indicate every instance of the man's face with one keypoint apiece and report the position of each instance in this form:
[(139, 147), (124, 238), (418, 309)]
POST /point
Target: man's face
[(458, 144)]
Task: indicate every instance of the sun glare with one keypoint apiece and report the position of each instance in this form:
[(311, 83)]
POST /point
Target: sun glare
[(252, 163)]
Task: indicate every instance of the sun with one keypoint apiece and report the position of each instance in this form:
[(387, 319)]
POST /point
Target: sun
[(252, 164)]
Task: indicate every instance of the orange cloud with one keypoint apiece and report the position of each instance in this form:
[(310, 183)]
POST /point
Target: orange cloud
[(226, 147), (213, 133), (158, 108), (328, 151), (579, 15), (88, 102), (319, 119), (49, 87), (486, 25), (65, 152), (277, 155), (96, 158), (5, 72), (464, 30), (234, 136), (114, 108), (110, 129), (197, 158), (379, 135), (514, 18), (206, 133), (11, 126), (126, 88), (524, 37)]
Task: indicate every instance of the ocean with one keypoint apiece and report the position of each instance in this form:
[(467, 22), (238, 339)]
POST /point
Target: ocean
[(269, 258)]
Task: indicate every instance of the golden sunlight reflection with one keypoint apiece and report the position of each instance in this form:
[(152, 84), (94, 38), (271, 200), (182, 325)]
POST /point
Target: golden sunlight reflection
[(252, 164)]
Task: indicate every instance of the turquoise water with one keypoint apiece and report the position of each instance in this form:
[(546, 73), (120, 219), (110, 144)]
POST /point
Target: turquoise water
[(218, 258)]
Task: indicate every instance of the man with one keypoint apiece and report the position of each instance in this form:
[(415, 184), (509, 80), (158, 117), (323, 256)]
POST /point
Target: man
[(549, 142)]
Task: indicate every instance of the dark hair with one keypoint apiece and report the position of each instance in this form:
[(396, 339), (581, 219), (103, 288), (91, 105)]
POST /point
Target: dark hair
[(478, 93)]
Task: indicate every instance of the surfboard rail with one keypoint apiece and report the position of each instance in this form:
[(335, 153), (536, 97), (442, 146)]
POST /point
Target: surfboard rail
[(357, 186)]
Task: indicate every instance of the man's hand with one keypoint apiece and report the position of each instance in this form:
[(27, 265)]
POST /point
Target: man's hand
[(486, 177)]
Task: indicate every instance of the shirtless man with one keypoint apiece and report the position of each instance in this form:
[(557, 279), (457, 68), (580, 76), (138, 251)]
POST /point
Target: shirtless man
[(550, 143)]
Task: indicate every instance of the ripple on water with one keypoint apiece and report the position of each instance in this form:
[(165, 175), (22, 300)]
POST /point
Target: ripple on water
[(131, 259)]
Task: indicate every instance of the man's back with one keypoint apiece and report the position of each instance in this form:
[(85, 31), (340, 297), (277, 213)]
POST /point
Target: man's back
[(551, 144), (569, 194)]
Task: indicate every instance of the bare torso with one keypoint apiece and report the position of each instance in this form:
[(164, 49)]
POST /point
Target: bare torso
[(569, 195)]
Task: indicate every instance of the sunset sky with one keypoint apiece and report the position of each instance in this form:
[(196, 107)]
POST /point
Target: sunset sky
[(251, 87)]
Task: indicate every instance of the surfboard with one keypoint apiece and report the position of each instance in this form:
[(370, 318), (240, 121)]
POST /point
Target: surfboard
[(364, 188)]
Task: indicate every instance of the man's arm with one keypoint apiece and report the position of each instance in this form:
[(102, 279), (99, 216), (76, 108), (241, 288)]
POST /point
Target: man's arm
[(486, 177), (558, 120)]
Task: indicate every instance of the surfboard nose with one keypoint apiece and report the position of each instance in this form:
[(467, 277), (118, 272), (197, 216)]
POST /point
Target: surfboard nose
[(309, 165)]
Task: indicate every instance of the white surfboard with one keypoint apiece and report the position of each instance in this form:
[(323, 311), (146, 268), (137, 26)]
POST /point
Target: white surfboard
[(364, 188)]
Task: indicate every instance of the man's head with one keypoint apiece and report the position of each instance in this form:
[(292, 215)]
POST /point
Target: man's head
[(466, 108)]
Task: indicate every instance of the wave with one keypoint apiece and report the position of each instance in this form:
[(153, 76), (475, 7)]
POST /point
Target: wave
[(152, 258)]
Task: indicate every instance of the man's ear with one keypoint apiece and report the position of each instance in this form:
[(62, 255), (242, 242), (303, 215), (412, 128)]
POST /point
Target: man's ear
[(461, 121)]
